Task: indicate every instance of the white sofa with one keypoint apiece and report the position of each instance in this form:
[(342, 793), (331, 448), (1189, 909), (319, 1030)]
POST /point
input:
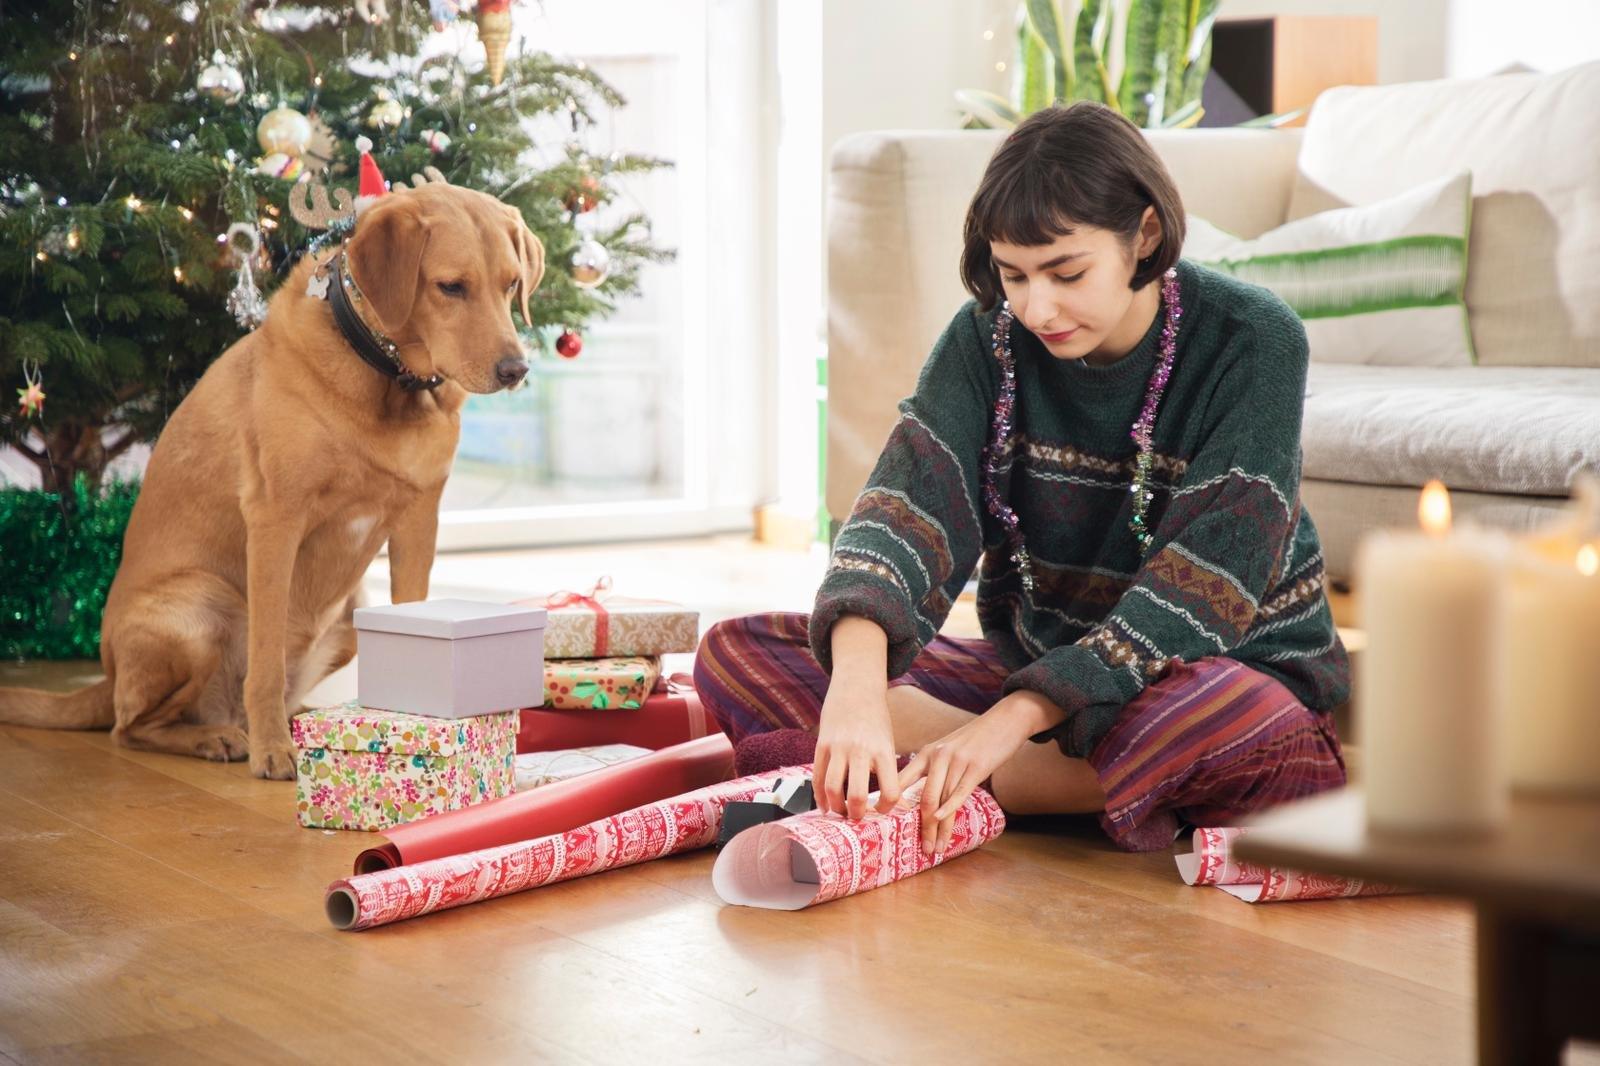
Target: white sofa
[(1508, 435)]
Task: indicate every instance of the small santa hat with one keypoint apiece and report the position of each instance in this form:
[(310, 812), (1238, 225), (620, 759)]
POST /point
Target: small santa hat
[(372, 184)]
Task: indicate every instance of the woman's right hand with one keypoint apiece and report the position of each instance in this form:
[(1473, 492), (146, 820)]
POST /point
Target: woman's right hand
[(854, 740)]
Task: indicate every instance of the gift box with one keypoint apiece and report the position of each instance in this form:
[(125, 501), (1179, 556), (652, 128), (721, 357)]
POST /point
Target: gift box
[(450, 658), (537, 768), (672, 714), (600, 624), (362, 768), (600, 684)]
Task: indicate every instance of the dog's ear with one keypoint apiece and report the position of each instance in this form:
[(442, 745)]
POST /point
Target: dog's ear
[(386, 259), (530, 251)]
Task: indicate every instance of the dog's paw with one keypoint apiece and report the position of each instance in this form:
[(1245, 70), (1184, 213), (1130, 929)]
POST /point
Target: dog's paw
[(273, 762), (224, 744)]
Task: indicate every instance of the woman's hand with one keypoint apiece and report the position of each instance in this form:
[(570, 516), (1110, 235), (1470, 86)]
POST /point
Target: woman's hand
[(855, 739), (961, 761), (854, 735)]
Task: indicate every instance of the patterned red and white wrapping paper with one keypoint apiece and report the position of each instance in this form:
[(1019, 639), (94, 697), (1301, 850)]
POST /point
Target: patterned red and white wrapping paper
[(1212, 863), (816, 857), (653, 831)]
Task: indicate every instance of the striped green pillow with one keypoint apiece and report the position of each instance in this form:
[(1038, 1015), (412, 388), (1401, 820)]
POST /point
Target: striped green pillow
[(1383, 283)]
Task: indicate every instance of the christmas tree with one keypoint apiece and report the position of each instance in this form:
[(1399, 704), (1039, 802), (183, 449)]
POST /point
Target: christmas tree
[(137, 135)]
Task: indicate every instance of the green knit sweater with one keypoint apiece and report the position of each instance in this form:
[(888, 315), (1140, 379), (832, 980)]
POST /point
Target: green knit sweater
[(1235, 568)]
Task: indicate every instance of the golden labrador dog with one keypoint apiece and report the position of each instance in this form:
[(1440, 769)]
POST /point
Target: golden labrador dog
[(284, 471)]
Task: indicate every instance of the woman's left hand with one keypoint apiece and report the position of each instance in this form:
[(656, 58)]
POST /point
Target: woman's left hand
[(958, 763)]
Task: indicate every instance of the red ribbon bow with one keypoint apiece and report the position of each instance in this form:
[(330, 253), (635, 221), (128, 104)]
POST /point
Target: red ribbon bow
[(590, 600)]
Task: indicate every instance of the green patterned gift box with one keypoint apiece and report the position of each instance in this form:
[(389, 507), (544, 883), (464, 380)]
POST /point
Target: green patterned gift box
[(360, 768), (619, 684)]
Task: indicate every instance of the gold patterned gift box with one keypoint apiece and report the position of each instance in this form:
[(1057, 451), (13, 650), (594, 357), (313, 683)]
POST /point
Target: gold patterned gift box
[(359, 768), (620, 684), (600, 624)]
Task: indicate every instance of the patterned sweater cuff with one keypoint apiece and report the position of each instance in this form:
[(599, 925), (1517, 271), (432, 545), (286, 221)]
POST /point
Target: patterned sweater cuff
[(871, 597), (1087, 719)]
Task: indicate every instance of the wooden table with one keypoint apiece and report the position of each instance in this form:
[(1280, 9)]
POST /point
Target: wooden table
[(1536, 886)]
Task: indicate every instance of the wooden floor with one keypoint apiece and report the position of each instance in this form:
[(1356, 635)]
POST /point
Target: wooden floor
[(155, 908)]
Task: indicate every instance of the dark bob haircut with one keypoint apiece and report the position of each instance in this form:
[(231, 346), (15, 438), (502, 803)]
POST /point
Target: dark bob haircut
[(1065, 167)]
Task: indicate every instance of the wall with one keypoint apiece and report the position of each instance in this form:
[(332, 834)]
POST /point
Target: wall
[(1487, 35)]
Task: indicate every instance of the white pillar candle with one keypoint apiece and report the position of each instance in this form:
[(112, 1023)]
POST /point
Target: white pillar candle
[(1432, 748), (1552, 676)]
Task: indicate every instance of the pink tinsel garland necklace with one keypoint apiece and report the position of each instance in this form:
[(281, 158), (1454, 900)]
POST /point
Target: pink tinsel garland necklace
[(997, 453)]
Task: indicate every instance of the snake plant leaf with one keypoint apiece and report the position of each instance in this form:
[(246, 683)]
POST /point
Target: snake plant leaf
[(1185, 117), (1056, 22), (1172, 45), (1273, 121), (1036, 67), (988, 110), (1138, 69), (1087, 59), (1197, 55)]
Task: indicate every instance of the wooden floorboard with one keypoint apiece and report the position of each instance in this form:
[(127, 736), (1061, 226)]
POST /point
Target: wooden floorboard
[(154, 908)]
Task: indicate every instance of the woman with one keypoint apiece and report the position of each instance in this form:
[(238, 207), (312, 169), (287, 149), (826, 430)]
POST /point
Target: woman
[(1115, 436)]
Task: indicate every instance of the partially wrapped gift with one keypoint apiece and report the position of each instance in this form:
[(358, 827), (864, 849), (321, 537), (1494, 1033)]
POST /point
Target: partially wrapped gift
[(672, 714), (599, 623), (537, 768), (359, 768), (600, 684)]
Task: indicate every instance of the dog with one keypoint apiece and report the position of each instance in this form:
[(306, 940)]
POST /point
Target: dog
[(287, 467)]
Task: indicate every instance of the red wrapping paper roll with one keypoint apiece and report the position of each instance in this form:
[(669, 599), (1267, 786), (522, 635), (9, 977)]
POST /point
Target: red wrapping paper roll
[(816, 857), (1212, 863), (665, 827), (672, 714), (556, 808)]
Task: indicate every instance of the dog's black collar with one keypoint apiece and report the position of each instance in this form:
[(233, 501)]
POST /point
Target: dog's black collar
[(376, 350)]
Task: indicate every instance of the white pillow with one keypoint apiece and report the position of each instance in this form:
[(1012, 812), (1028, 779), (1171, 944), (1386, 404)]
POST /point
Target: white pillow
[(1384, 283)]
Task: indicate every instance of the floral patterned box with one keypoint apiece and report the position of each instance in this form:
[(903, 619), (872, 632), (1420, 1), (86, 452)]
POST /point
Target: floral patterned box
[(360, 768), (600, 684)]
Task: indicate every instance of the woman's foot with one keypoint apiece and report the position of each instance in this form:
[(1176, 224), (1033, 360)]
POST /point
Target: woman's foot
[(761, 753)]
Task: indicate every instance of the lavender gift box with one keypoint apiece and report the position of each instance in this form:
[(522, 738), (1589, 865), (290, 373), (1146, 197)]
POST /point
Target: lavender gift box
[(450, 658)]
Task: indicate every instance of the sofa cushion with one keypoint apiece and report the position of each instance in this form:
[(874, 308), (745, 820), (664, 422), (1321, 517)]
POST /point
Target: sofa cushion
[(1533, 276), (1513, 430), (1381, 283)]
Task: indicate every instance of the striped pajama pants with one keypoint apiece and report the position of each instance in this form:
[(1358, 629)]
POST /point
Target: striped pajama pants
[(1203, 745)]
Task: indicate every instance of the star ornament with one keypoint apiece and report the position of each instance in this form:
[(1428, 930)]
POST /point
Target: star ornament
[(31, 400)]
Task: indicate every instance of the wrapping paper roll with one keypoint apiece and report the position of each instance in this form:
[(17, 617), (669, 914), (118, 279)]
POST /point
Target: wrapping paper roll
[(653, 831), (1212, 863), (556, 808), (816, 857)]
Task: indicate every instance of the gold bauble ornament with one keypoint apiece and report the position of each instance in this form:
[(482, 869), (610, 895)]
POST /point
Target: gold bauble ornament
[(386, 115), (221, 80), (591, 264), (285, 130)]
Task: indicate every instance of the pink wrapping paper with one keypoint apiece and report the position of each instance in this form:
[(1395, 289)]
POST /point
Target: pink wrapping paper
[(1212, 863), (816, 857), (653, 831)]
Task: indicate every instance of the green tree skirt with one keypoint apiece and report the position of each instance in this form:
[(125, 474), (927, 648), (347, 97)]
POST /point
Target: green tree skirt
[(56, 567)]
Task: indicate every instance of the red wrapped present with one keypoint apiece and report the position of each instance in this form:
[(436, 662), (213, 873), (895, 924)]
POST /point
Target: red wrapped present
[(672, 714)]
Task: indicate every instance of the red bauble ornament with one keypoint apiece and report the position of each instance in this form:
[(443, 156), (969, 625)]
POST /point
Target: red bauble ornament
[(586, 197), (569, 344)]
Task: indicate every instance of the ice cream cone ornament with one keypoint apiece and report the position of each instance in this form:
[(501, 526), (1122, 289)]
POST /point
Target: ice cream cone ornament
[(494, 30), (371, 184)]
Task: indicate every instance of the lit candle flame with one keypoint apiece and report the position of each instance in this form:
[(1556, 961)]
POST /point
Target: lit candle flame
[(1588, 560), (1433, 510)]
